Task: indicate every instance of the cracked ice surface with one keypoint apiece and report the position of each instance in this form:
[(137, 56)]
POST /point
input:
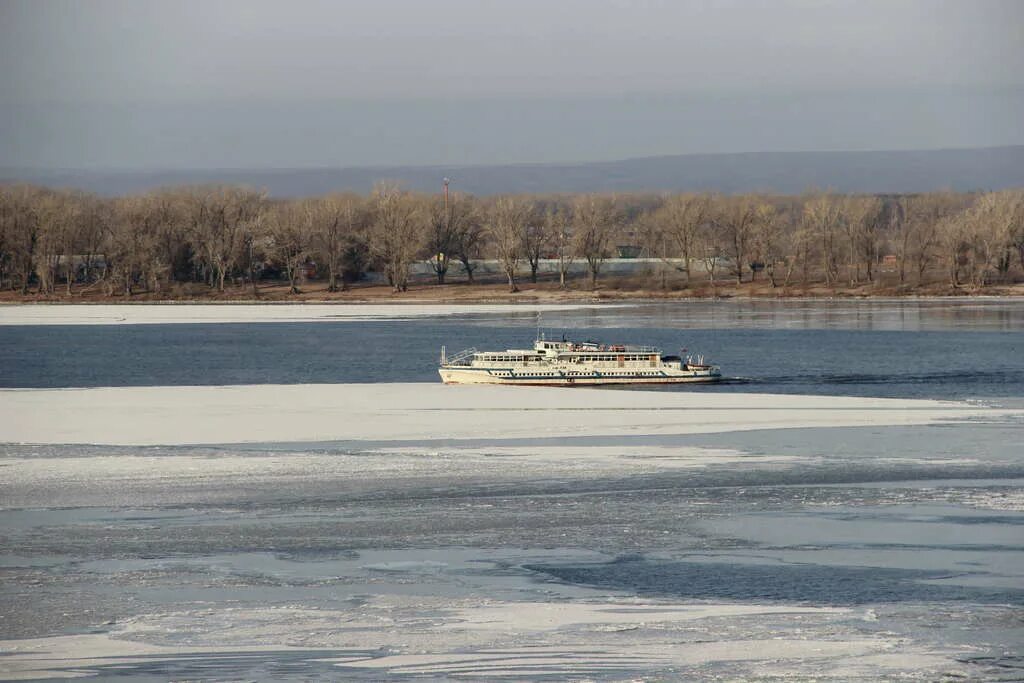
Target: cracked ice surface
[(387, 531)]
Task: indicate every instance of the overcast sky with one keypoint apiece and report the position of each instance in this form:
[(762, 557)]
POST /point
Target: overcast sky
[(233, 83)]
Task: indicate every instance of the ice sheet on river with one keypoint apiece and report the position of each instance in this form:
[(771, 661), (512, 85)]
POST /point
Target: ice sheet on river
[(510, 640), (471, 532), (139, 314), (422, 412)]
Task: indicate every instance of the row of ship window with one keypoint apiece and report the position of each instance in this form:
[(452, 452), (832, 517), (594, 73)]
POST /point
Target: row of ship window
[(577, 374), (521, 359), (614, 374)]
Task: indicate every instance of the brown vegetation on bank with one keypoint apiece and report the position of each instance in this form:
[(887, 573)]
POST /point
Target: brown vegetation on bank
[(230, 243)]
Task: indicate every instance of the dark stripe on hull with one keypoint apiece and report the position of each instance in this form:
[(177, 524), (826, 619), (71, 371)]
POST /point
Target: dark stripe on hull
[(555, 383), (587, 381)]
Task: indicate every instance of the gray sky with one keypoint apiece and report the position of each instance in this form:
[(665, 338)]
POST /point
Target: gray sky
[(233, 83)]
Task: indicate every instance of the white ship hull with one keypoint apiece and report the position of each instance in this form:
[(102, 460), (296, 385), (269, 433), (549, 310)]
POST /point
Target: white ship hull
[(525, 377), (569, 364)]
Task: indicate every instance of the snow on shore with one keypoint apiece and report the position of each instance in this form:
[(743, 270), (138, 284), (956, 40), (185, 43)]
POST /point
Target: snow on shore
[(417, 412), (139, 314)]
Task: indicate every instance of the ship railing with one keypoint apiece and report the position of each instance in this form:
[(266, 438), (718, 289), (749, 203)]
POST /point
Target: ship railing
[(462, 357)]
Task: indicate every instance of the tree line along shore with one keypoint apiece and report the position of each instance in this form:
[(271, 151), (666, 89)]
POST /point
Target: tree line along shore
[(230, 242)]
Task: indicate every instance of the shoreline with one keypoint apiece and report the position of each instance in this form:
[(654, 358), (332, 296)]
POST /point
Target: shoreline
[(490, 292), (311, 311), (579, 299), (240, 311)]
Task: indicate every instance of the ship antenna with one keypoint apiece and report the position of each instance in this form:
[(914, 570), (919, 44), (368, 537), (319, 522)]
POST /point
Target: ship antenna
[(538, 337)]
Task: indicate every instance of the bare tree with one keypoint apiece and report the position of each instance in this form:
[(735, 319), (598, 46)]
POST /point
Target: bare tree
[(955, 245), (822, 219), (657, 244), (802, 243), (97, 221), (769, 237), (56, 237), (1017, 225), (860, 219), (50, 239), (594, 218), (875, 216), (735, 219), (220, 220), (467, 231), (5, 247), (916, 229), (711, 246), (442, 235), (172, 251), (559, 228), (396, 236), (142, 241), (992, 221), (254, 254), (134, 240), (288, 228), (507, 222), (1007, 219), (22, 225), (129, 243), (335, 223), (536, 241), (679, 220)]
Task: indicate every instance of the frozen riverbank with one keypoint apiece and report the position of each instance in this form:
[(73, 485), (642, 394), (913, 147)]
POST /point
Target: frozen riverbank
[(149, 314), (422, 412), (983, 312)]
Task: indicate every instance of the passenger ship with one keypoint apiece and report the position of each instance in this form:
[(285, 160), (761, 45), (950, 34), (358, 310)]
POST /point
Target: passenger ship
[(568, 363)]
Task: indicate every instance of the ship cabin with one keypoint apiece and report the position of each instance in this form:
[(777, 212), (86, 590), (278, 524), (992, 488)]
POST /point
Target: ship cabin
[(523, 357), (606, 356)]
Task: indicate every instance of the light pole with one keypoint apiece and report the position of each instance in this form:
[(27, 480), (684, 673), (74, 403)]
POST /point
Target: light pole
[(442, 258)]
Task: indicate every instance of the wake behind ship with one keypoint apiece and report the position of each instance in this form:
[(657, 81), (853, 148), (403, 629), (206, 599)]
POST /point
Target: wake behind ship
[(569, 363)]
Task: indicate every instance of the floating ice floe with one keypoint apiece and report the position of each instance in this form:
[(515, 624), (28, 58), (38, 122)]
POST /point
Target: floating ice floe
[(415, 413)]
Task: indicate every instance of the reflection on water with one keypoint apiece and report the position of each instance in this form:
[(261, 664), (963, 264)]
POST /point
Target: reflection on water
[(888, 315)]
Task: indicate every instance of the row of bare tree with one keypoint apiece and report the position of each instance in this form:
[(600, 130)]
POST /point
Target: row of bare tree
[(51, 239)]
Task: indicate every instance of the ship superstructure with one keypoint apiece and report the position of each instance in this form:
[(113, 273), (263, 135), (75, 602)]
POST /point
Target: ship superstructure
[(570, 363)]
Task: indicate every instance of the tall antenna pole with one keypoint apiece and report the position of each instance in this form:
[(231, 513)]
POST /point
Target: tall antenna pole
[(442, 258)]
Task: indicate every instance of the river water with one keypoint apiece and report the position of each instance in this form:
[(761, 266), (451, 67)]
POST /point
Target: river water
[(921, 349), (852, 553)]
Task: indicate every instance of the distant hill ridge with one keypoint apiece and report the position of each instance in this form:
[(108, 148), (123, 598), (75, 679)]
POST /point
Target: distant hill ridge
[(988, 168)]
